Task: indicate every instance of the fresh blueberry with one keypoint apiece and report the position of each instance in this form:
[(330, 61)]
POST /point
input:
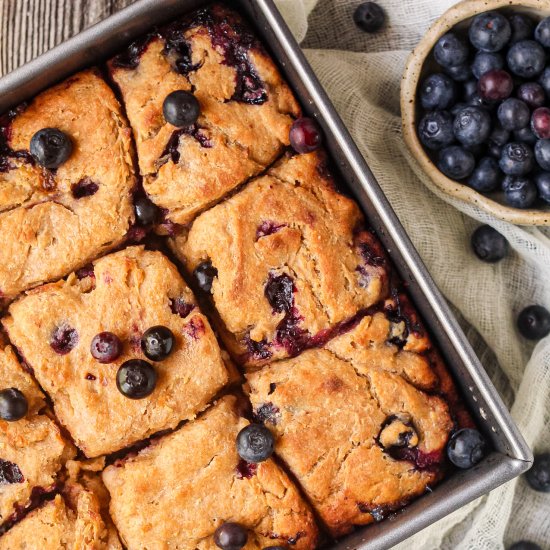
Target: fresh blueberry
[(534, 322), (488, 244), (181, 109), (542, 181), (519, 192), (436, 130), (524, 545), (532, 93), (542, 32), (469, 89), (466, 448), (450, 50), (157, 343), (204, 275), (526, 58), (136, 379), (544, 80), (497, 140), (485, 62), (540, 122), (305, 135), (517, 159), (456, 162), (437, 91), (542, 153), (455, 109), (369, 17), (538, 476), (490, 31), (495, 85), (146, 212), (522, 27), (106, 347), (472, 126), (513, 114), (50, 147), (525, 135), (255, 443), (13, 404), (459, 73), (486, 175), (63, 339), (230, 536)]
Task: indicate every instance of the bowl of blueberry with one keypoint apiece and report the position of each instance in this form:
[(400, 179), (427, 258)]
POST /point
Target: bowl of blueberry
[(475, 104)]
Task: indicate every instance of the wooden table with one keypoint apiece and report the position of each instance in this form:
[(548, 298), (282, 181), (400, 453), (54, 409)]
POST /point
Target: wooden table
[(30, 27)]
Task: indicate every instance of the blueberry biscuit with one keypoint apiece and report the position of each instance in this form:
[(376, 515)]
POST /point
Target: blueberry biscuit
[(246, 109), (32, 449), (56, 212), (287, 261), (209, 487), (86, 341)]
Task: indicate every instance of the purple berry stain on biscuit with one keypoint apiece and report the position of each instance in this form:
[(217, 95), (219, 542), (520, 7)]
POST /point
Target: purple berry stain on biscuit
[(84, 188), (63, 339), (195, 328), (268, 412), (172, 147), (10, 473), (279, 292), (257, 350), (400, 311), (245, 470), (84, 272), (180, 307), (268, 228), (129, 59)]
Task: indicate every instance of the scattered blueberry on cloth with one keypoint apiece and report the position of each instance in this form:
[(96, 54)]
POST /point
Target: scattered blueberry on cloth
[(362, 74)]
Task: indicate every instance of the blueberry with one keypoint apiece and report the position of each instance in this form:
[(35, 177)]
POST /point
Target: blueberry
[(488, 244), (542, 153), (513, 114), (517, 159), (455, 109), (146, 211), (534, 322), (532, 93), (305, 135), (369, 17), (437, 91), (230, 536), (450, 50), (542, 32), (544, 80), (13, 404), (540, 122), (472, 126), (436, 130), (136, 379), (490, 31), (157, 343), (526, 58), (469, 89), (204, 275), (538, 476), (255, 443), (495, 85), (542, 181), (63, 339), (485, 62), (497, 140), (524, 545), (519, 192), (50, 147), (181, 109), (466, 448), (522, 27), (456, 162), (486, 175), (279, 292), (459, 73), (525, 135), (106, 347)]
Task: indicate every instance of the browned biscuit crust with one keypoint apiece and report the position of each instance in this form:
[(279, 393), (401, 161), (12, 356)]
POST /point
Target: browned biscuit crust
[(246, 109), (129, 292), (50, 222), (207, 487), (292, 261)]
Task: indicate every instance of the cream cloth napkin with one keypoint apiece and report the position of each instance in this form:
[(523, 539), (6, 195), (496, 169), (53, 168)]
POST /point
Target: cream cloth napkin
[(361, 73)]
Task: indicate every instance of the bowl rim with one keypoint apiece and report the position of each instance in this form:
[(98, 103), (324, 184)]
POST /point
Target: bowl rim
[(409, 84)]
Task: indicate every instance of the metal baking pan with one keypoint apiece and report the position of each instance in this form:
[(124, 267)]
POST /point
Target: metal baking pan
[(511, 455)]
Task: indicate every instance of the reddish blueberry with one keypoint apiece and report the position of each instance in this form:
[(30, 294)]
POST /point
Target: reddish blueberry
[(305, 135), (532, 93), (540, 122), (495, 85), (106, 347)]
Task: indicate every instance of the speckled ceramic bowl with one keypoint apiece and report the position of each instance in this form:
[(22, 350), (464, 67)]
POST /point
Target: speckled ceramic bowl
[(420, 64)]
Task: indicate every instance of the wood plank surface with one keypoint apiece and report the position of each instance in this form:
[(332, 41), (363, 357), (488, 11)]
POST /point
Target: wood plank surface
[(31, 27)]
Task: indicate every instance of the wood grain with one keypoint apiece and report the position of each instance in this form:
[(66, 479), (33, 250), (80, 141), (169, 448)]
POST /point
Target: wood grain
[(31, 27)]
